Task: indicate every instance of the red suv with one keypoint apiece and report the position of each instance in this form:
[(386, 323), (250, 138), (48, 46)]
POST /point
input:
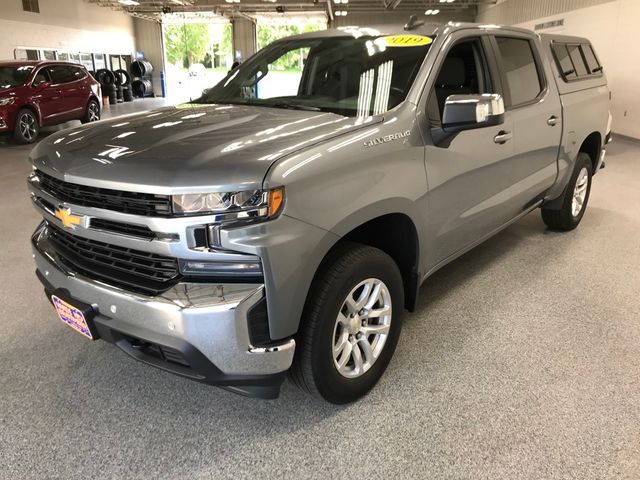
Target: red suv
[(34, 94)]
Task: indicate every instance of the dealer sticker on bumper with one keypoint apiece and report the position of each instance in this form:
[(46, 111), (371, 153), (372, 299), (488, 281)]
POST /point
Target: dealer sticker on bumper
[(71, 316)]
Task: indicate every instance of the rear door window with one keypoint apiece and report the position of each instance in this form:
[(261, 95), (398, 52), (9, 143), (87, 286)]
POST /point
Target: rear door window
[(61, 74), (521, 72)]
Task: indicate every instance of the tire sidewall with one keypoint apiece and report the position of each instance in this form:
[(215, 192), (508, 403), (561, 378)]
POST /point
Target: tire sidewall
[(330, 383)]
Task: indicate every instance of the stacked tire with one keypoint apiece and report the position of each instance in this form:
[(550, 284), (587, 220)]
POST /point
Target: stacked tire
[(141, 85), (124, 79), (107, 81), (123, 86)]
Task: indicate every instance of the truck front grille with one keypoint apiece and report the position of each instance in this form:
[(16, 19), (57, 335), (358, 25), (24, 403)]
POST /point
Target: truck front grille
[(147, 204), (133, 270)]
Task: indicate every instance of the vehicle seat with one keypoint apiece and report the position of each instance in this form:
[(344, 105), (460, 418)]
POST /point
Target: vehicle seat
[(451, 80), (343, 81)]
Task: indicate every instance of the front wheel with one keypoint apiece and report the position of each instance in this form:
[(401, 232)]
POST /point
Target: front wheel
[(92, 113), (351, 324), (568, 216), (27, 128)]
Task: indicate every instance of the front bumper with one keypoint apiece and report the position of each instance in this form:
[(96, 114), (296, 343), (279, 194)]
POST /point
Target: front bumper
[(197, 330)]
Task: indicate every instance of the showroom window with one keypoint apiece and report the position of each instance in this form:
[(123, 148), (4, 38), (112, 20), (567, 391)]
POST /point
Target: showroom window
[(31, 6), (523, 83)]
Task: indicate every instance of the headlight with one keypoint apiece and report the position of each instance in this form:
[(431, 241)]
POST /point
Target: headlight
[(6, 101), (232, 205)]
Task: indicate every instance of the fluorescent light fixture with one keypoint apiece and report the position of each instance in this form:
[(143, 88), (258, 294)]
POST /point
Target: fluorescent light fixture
[(432, 12), (341, 13), (129, 3)]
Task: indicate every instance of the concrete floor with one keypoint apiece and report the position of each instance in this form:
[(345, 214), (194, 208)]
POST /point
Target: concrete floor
[(522, 361)]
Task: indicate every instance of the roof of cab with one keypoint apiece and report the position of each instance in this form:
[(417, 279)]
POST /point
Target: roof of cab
[(428, 29)]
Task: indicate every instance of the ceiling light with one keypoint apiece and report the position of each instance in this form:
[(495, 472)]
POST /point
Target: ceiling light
[(435, 12), (428, 12), (129, 3), (341, 13)]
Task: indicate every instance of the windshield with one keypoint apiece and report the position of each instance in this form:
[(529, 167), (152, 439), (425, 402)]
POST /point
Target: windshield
[(349, 76), (14, 76)]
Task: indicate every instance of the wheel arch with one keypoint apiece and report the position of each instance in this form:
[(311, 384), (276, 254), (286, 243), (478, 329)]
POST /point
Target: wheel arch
[(592, 145), (32, 108), (396, 235)]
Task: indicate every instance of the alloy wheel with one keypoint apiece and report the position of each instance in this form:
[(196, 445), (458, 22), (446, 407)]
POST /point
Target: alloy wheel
[(362, 327), (27, 126), (580, 192), (94, 112)]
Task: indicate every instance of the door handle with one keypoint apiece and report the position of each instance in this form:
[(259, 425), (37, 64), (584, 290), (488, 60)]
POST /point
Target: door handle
[(552, 121), (502, 137)]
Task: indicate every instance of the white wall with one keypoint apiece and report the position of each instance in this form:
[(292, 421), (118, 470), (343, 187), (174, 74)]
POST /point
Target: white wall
[(613, 29), (71, 25), (148, 36)]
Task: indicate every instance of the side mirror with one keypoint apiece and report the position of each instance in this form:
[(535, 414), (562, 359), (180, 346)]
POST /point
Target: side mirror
[(464, 112)]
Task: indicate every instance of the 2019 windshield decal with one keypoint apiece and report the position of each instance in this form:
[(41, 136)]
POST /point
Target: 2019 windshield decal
[(387, 138)]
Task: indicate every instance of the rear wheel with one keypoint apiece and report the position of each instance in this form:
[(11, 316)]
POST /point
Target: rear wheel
[(570, 213), (26, 129), (352, 322), (92, 114)]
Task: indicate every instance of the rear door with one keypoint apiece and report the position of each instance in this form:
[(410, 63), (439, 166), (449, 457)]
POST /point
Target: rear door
[(533, 108), (65, 79), (470, 176)]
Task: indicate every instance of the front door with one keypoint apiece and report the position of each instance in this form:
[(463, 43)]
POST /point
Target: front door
[(49, 99)]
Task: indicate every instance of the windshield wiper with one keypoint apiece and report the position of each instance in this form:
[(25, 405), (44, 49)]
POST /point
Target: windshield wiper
[(293, 106)]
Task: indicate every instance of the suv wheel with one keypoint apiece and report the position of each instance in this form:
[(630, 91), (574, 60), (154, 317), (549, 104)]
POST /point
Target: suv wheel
[(352, 321), (27, 128), (92, 114), (568, 216)]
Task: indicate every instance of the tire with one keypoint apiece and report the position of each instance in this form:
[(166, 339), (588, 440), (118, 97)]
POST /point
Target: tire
[(112, 99), (340, 276), (141, 87), (568, 217), (141, 68), (122, 77), (105, 77), (26, 129), (92, 113), (119, 92)]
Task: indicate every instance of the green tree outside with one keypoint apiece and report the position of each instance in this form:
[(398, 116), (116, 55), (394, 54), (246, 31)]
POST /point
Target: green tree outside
[(186, 44)]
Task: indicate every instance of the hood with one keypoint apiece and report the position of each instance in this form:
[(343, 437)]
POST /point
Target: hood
[(186, 148)]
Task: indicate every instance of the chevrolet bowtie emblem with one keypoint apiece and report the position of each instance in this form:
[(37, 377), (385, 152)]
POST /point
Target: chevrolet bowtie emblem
[(67, 218)]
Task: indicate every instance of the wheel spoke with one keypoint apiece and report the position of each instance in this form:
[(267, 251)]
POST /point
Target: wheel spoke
[(385, 310), (346, 355), (375, 329), (364, 296), (373, 298), (358, 362), (364, 345), (341, 344)]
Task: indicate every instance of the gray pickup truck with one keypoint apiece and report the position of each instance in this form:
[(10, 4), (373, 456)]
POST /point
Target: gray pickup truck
[(285, 220)]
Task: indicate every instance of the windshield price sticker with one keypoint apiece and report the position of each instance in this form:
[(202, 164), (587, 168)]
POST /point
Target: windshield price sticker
[(406, 40)]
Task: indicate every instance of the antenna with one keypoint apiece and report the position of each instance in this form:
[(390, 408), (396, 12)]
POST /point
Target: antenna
[(413, 23)]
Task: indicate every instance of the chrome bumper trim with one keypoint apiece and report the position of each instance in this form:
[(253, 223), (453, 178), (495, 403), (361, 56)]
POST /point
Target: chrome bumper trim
[(211, 317)]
